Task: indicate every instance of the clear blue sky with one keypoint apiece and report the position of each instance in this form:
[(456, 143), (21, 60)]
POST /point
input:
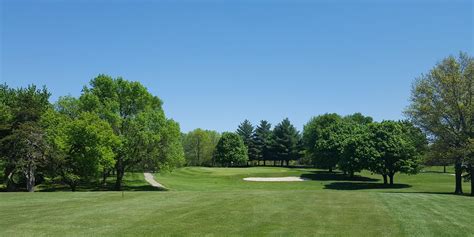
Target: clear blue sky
[(216, 63)]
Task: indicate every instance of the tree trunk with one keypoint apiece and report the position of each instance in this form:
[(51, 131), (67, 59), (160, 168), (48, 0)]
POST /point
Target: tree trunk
[(11, 186), (351, 174), (30, 179), (104, 178), (330, 169), (444, 168), (471, 167), (384, 179), (120, 173), (391, 178), (458, 171), (264, 162)]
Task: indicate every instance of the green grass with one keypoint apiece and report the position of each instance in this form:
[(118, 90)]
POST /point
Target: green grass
[(216, 202)]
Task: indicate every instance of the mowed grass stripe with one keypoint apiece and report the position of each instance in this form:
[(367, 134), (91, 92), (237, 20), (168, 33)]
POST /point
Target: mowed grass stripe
[(233, 213), (217, 202)]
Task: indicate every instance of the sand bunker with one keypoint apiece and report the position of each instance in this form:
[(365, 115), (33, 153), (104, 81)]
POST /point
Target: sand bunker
[(275, 179)]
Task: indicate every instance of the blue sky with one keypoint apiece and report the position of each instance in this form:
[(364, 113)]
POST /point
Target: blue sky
[(216, 63)]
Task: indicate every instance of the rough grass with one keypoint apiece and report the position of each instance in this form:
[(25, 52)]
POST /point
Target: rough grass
[(216, 202)]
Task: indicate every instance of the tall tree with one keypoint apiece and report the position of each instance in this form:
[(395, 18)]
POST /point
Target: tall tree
[(231, 150), (442, 105), (262, 142), (136, 117), (315, 138), (245, 130), (24, 108), (285, 142)]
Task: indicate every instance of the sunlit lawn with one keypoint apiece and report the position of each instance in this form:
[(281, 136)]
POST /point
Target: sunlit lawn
[(216, 202)]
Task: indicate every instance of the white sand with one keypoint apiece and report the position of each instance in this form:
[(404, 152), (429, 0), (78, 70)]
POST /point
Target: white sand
[(151, 180), (275, 179)]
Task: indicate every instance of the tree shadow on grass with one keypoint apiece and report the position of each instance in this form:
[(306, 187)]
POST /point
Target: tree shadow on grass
[(130, 186), (334, 176), (361, 185)]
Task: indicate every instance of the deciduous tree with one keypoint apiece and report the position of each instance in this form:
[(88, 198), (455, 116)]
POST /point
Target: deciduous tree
[(231, 150), (442, 105)]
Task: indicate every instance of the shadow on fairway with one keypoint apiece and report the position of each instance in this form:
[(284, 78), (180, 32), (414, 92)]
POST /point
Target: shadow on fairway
[(334, 176), (360, 186), (88, 188)]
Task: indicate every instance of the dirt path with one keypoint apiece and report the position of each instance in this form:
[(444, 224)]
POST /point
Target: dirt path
[(151, 180)]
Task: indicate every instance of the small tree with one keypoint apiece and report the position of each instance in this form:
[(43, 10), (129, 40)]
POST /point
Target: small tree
[(394, 150), (230, 150)]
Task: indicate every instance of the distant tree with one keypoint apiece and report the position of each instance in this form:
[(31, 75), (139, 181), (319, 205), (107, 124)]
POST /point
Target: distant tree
[(394, 150), (245, 131), (438, 155), (286, 140), (230, 150), (442, 106), (322, 151), (199, 145), (69, 106), (262, 142)]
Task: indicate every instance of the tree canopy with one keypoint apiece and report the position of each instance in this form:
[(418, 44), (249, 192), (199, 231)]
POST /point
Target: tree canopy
[(442, 106), (231, 150)]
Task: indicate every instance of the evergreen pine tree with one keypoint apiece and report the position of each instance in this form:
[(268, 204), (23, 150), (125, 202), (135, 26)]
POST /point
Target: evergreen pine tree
[(245, 131), (286, 141), (262, 141)]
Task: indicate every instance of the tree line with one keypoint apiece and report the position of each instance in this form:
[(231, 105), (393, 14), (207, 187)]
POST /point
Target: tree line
[(439, 131), (351, 144), (114, 126)]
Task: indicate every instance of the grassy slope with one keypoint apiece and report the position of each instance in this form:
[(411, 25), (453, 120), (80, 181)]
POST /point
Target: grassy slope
[(217, 202)]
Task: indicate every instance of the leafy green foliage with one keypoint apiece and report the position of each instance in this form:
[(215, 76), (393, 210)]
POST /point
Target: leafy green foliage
[(23, 142), (319, 140), (231, 150), (90, 143), (395, 150), (442, 105), (199, 146), (137, 118)]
